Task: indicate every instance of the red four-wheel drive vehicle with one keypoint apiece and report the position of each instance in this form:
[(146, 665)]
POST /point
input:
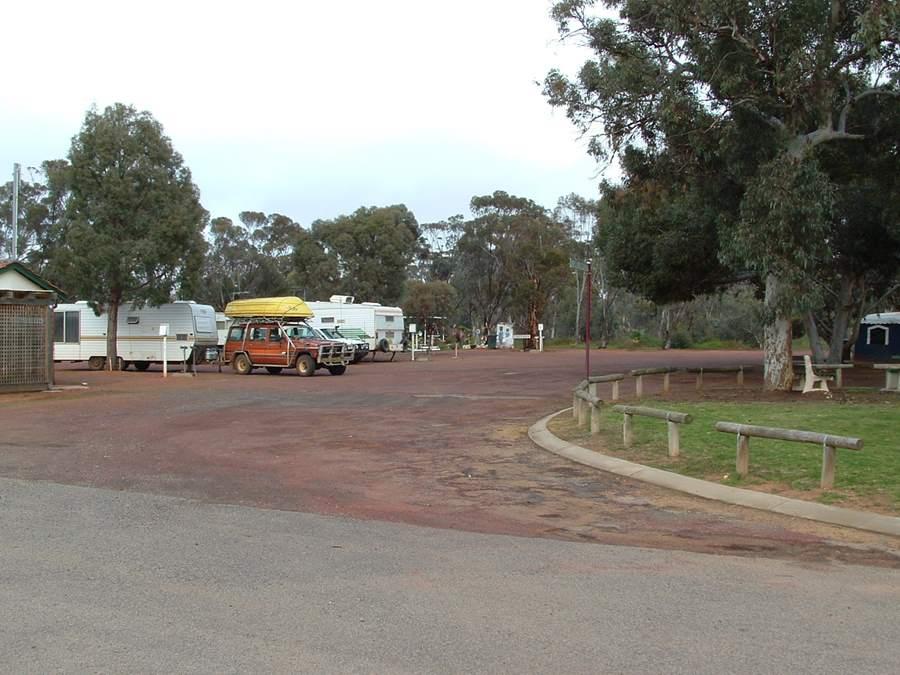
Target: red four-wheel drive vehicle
[(275, 345)]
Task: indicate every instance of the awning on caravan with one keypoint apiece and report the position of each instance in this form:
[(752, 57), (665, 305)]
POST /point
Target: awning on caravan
[(287, 307)]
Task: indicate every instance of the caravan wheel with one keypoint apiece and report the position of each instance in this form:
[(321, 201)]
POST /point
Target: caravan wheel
[(96, 362), (142, 365)]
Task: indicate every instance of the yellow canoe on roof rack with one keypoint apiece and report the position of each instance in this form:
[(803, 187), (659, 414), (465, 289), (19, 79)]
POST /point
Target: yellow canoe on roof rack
[(289, 307)]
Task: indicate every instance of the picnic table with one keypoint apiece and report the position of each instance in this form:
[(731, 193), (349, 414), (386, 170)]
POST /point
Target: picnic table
[(891, 376)]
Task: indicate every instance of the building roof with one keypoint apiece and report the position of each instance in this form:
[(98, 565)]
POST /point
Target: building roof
[(7, 266), (882, 318)]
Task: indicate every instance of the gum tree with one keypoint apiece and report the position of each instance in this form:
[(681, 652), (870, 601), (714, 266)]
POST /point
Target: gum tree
[(800, 68), (133, 225)]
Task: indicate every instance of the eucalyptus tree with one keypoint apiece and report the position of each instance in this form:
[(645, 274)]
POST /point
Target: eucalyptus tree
[(372, 249), (132, 230), (788, 76)]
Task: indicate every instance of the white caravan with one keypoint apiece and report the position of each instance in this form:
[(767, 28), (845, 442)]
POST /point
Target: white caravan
[(383, 325), (80, 335)]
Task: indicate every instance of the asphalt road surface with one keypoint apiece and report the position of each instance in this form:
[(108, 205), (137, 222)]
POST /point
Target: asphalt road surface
[(103, 581)]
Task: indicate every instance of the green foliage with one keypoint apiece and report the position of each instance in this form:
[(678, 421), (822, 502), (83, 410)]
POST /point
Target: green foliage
[(512, 256), (785, 220), (718, 110), (373, 248), (424, 300), (133, 220)]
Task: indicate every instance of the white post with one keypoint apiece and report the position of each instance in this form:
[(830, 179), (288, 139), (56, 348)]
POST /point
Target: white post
[(164, 334), (540, 337)]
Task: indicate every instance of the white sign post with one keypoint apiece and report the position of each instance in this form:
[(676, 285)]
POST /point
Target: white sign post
[(412, 330), (164, 334), (540, 337)]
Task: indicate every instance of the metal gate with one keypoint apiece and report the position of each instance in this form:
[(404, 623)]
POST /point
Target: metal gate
[(23, 346)]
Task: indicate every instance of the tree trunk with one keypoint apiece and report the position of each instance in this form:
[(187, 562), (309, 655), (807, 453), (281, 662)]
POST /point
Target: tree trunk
[(778, 372), (842, 314), (812, 332), (112, 330)]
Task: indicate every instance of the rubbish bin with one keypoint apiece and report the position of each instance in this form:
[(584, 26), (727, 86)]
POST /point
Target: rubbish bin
[(492, 341)]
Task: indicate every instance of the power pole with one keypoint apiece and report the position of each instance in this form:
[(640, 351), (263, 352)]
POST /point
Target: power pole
[(587, 322), (15, 213)]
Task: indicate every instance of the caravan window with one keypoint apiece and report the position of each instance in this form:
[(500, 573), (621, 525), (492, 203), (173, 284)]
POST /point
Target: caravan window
[(132, 320), (389, 319), (237, 333), (66, 327), (878, 335), (327, 319)]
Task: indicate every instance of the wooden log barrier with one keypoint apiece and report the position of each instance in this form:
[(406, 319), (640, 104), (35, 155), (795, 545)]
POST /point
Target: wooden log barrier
[(638, 375), (589, 405), (828, 442), (672, 418), (615, 378), (739, 370), (576, 403)]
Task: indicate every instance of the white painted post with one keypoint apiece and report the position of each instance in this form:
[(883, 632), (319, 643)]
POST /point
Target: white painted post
[(674, 441), (592, 389), (615, 390), (164, 334), (666, 383), (639, 386), (828, 457), (740, 376), (582, 412), (412, 331), (742, 466), (575, 401), (540, 337), (627, 432)]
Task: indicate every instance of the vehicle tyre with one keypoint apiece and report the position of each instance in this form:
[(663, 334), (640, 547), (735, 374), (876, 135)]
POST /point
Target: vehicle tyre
[(125, 365), (241, 364), (305, 365), (274, 370), (96, 362), (383, 345), (337, 370), (141, 365)]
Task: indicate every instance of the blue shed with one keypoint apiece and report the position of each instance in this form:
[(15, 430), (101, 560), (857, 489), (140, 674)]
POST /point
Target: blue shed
[(879, 338)]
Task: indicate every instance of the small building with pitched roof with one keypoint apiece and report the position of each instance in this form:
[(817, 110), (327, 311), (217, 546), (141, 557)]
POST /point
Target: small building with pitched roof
[(26, 328)]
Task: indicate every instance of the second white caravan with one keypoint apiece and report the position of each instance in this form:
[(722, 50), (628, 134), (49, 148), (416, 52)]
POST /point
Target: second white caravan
[(382, 324), (80, 335)]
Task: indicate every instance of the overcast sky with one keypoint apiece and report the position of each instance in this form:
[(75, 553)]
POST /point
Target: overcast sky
[(307, 108)]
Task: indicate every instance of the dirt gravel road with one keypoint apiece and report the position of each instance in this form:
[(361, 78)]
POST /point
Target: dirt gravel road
[(440, 443)]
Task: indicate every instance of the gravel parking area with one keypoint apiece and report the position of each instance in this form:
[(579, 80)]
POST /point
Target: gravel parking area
[(440, 442)]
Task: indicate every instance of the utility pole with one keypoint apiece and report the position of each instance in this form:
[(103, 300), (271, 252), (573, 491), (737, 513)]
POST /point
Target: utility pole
[(587, 322), (15, 213)]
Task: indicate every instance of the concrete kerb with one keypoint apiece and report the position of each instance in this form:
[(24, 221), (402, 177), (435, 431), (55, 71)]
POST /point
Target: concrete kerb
[(860, 520)]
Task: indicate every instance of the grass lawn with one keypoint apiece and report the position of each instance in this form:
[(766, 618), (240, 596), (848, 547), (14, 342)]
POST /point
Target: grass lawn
[(867, 479)]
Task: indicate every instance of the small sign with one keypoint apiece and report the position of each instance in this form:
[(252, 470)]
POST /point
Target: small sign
[(577, 265), (163, 330), (412, 328), (540, 327)]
